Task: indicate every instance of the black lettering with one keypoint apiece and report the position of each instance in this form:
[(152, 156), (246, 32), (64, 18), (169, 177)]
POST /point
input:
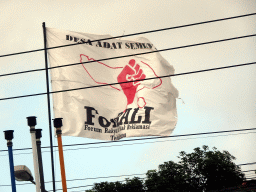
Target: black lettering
[(144, 46), (98, 44), (113, 46), (97, 130), (67, 37), (149, 45), (117, 118), (147, 115), (134, 115), (118, 136), (89, 115), (76, 39), (139, 127), (119, 45), (89, 42), (140, 45), (82, 41), (114, 121), (132, 46), (125, 117), (106, 45), (127, 46), (103, 122)]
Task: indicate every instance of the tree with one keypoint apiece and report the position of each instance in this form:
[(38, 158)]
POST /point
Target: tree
[(135, 185), (210, 170), (202, 170), (170, 177)]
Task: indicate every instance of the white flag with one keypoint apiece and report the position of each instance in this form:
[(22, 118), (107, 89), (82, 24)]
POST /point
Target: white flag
[(110, 112)]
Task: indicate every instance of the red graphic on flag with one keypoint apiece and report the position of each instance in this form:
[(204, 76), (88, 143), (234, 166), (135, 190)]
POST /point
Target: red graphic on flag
[(131, 73)]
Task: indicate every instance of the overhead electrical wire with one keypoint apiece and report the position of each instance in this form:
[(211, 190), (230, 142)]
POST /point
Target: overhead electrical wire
[(247, 164), (93, 178), (251, 178), (168, 49), (250, 170), (106, 177), (140, 33), (140, 80), (157, 141), (173, 75), (135, 143), (250, 175), (153, 184), (139, 139)]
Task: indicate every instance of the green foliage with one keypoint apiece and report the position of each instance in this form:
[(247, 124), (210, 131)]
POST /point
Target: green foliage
[(210, 170), (202, 170), (135, 185), (170, 177)]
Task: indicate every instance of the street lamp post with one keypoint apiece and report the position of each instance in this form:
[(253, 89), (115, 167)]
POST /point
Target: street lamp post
[(9, 137), (39, 155), (32, 124)]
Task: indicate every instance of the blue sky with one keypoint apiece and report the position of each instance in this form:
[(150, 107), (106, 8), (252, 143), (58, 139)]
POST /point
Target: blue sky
[(214, 101)]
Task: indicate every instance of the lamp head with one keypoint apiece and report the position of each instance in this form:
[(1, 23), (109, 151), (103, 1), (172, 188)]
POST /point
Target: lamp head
[(31, 121), (8, 134), (38, 133), (57, 122), (23, 173)]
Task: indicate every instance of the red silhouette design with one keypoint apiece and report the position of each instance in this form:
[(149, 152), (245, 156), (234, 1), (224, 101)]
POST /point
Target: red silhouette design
[(131, 73)]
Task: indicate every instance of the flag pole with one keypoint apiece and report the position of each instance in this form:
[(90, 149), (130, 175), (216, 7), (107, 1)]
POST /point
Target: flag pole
[(9, 136), (49, 106), (58, 124)]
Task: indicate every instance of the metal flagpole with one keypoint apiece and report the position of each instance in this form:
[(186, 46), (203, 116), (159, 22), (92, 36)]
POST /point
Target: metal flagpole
[(58, 124), (9, 136), (49, 106), (32, 124)]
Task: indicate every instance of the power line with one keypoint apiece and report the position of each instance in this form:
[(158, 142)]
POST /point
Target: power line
[(250, 175), (143, 184), (249, 170), (140, 33), (155, 141), (251, 178), (134, 143), (93, 178), (161, 50), (146, 53), (168, 49), (158, 137), (247, 164), (179, 74), (106, 177)]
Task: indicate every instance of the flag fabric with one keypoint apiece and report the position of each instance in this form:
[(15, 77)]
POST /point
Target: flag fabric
[(138, 108)]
